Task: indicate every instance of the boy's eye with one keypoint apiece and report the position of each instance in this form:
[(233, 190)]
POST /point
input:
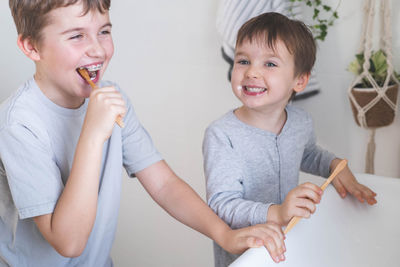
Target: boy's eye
[(243, 62), (270, 64), (77, 36), (105, 32)]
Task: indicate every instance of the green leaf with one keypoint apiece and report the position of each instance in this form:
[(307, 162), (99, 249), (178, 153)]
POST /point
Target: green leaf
[(316, 12), (354, 67), (326, 8), (379, 61), (360, 58), (371, 66)]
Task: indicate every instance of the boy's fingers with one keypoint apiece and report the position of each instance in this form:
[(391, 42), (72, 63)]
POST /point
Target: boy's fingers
[(340, 188), (357, 193), (106, 89), (273, 251), (313, 187), (277, 229), (307, 204), (253, 242), (307, 193), (271, 236), (370, 200), (277, 237), (302, 212), (368, 195), (118, 110)]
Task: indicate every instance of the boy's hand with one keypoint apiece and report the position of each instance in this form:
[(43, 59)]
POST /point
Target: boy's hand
[(269, 235), (346, 182), (300, 201), (104, 106)]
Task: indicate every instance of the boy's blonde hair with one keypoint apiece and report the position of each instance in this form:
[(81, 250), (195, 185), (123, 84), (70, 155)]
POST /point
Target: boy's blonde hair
[(298, 39), (31, 16)]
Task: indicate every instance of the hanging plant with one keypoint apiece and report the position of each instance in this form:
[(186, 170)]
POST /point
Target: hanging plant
[(323, 16), (378, 69), (373, 93)]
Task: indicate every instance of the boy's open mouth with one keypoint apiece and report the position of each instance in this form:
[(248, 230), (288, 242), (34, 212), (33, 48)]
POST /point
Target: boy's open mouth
[(255, 90), (93, 70)]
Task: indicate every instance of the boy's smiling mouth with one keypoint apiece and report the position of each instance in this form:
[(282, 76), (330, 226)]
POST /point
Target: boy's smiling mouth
[(93, 70), (254, 90)]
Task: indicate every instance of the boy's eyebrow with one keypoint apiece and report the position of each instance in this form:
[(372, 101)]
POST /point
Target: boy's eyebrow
[(239, 53), (77, 29)]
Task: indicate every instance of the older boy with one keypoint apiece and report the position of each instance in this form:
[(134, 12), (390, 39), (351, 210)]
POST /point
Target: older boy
[(252, 155), (61, 153)]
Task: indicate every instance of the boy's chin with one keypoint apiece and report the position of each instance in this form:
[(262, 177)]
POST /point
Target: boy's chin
[(86, 91)]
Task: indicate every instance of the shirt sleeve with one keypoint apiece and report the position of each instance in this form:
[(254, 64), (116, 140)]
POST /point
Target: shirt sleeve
[(316, 160), (225, 191), (32, 173), (139, 151)]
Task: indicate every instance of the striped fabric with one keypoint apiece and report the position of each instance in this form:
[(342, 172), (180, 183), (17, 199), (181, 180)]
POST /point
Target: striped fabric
[(232, 14)]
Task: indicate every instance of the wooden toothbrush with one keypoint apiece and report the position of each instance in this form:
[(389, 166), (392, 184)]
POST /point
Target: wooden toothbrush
[(338, 169), (83, 72)]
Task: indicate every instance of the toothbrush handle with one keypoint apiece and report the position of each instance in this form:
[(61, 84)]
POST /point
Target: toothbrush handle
[(338, 169)]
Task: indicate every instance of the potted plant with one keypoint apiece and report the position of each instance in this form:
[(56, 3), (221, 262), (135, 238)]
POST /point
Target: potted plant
[(381, 113)]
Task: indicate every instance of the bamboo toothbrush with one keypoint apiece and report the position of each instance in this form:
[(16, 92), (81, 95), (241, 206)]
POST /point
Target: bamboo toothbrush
[(85, 75), (338, 169)]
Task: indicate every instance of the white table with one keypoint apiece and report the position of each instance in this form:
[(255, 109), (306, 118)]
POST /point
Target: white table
[(343, 232)]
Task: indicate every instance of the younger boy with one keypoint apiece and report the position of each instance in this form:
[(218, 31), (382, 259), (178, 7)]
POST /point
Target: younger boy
[(252, 155), (61, 153)]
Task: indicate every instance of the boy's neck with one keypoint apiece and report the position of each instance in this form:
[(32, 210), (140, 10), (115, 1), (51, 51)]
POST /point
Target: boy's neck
[(57, 97), (271, 121)]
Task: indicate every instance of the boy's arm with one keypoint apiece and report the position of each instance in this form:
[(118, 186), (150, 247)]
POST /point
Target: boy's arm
[(68, 228), (181, 202), (315, 160), (223, 169), (321, 162), (346, 182)]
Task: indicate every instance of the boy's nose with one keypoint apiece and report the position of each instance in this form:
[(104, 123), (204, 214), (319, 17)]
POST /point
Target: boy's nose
[(252, 72), (95, 49)]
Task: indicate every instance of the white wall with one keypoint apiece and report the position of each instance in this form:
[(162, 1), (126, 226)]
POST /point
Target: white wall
[(168, 60)]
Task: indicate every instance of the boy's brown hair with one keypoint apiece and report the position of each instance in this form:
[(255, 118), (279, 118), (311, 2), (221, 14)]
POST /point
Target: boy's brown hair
[(268, 27), (30, 16)]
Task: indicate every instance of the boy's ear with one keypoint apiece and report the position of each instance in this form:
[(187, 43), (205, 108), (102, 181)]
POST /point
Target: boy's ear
[(301, 82), (28, 47)]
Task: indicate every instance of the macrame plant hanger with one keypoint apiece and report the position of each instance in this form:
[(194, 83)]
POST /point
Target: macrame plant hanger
[(380, 92)]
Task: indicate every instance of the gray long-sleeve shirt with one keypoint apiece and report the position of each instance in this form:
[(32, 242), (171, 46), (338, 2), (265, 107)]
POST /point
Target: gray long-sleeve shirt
[(248, 169)]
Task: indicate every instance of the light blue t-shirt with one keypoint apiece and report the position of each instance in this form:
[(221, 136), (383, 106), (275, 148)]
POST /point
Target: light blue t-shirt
[(37, 145)]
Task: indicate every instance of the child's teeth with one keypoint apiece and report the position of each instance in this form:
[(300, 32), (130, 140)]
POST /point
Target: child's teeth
[(254, 89), (94, 67)]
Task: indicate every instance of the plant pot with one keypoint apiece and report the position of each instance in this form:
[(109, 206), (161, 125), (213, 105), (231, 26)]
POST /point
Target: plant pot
[(381, 114)]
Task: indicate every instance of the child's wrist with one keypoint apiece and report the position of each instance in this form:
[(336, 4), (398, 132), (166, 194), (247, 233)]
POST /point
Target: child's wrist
[(274, 214), (333, 164), (91, 140), (224, 240)]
